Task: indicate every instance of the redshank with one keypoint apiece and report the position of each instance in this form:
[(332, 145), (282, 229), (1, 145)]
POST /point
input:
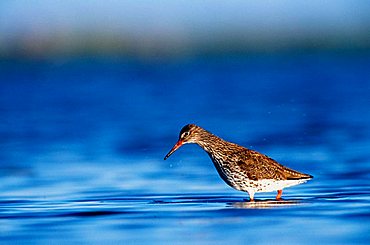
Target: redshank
[(241, 168)]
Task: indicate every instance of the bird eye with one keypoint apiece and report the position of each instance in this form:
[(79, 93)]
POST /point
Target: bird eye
[(185, 134)]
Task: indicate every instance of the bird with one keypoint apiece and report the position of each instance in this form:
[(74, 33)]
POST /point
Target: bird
[(241, 168)]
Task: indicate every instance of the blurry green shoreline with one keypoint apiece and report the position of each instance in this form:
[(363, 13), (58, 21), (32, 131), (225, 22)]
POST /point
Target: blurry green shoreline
[(163, 56), (116, 47)]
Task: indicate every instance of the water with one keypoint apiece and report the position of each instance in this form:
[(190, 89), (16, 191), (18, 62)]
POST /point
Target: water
[(82, 145)]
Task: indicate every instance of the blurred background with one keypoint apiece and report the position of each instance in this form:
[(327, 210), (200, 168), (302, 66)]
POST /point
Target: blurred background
[(145, 29), (94, 93)]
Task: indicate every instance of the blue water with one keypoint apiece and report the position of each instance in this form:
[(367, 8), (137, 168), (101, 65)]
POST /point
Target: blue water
[(82, 143)]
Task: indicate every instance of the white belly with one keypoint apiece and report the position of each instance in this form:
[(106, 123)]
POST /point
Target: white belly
[(266, 185)]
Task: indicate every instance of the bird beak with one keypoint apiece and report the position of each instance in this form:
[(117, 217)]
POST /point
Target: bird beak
[(174, 148)]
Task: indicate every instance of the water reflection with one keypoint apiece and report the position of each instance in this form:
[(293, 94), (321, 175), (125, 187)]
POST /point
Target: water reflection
[(266, 204)]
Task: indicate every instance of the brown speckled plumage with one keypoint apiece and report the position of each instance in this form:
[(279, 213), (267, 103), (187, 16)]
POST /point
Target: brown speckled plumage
[(241, 168)]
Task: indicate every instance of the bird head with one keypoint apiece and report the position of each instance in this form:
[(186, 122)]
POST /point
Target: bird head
[(188, 134)]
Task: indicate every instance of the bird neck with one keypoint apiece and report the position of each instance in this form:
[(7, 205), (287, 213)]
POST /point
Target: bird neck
[(213, 144)]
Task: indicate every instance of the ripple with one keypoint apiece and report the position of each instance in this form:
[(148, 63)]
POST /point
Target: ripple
[(266, 204)]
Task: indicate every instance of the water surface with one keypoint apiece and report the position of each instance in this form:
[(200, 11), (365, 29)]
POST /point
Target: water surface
[(83, 140)]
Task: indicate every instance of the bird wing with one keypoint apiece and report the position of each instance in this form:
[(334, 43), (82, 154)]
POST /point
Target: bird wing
[(258, 166)]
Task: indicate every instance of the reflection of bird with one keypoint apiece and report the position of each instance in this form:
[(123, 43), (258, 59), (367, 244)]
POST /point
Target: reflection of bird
[(241, 168), (265, 204)]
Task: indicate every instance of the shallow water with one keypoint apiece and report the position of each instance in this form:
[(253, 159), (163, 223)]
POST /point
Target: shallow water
[(83, 140)]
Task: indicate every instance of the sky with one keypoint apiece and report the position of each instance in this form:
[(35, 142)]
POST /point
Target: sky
[(47, 25)]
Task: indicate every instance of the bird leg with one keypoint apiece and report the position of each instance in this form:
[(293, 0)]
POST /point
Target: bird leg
[(278, 196), (251, 196)]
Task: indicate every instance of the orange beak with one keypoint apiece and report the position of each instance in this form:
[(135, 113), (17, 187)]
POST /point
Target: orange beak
[(176, 146)]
